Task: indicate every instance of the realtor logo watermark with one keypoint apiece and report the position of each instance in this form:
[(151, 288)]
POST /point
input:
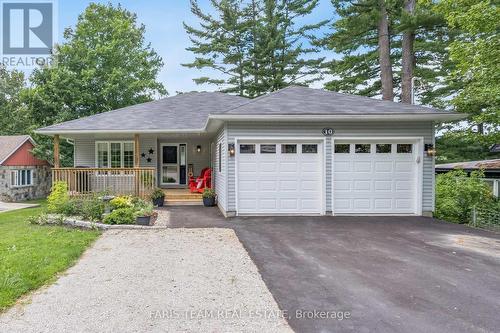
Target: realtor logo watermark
[(28, 32)]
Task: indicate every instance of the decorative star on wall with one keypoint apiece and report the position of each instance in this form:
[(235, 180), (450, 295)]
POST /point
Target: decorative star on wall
[(151, 151), (143, 155), (149, 159)]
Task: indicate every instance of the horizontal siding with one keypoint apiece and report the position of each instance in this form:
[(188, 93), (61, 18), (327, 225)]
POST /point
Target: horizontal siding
[(220, 180), (344, 129), (85, 151)]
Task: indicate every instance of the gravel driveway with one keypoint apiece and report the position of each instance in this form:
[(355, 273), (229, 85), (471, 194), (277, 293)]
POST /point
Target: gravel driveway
[(154, 281)]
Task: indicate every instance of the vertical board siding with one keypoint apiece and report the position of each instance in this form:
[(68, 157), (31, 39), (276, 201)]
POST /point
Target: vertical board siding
[(370, 130)]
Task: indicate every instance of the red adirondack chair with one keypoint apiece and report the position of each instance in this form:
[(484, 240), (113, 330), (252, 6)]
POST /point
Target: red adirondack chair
[(201, 182)]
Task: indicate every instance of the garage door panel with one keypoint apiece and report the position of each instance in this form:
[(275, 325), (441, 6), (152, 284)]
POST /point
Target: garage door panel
[(383, 185), (280, 183), (342, 185), (362, 185), (362, 166), (374, 182)]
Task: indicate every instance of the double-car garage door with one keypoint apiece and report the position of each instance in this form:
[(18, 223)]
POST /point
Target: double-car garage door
[(377, 177)]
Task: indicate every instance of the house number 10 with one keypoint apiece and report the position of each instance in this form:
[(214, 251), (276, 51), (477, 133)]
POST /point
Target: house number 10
[(328, 131)]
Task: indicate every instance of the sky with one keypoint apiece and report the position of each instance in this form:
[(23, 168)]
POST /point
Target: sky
[(164, 30)]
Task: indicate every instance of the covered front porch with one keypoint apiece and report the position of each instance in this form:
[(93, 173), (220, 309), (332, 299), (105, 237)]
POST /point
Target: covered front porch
[(134, 163)]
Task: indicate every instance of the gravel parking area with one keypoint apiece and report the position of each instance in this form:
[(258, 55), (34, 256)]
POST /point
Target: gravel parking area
[(171, 280)]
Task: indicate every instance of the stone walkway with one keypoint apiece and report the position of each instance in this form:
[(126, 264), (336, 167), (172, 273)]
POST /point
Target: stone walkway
[(8, 206)]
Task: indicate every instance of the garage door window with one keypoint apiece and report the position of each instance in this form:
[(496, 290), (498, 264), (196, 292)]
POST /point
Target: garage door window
[(363, 148), (384, 148), (268, 149), (309, 149), (343, 148), (404, 148), (247, 149), (289, 149)]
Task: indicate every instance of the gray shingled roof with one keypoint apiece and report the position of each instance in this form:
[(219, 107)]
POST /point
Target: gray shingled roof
[(8, 145), (184, 111), (296, 100), (471, 165), (190, 111)]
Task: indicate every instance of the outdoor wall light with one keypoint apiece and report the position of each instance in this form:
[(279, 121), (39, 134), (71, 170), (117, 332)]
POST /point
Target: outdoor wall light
[(198, 149), (231, 149), (430, 150)]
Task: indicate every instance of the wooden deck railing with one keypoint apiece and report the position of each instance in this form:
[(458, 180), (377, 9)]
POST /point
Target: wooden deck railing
[(116, 181)]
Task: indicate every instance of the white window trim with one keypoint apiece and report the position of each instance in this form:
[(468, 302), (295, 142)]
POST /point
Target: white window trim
[(122, 155), (14, 183)]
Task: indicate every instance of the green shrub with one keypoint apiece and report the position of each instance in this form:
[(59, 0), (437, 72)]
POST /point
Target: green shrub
[(120, 216), (92, 208), (457, 194), (144, 210), (121, 202), (208, 193), (157, 194), (73, 207), (58, 198)]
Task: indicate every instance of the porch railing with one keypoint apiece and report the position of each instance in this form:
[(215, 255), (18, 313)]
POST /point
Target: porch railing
[(116, 181)]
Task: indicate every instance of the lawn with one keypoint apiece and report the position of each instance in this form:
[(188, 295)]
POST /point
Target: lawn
[(31, 255)]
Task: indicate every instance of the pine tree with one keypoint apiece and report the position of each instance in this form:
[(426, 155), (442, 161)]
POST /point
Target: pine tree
[(418, 40), (256, 46)]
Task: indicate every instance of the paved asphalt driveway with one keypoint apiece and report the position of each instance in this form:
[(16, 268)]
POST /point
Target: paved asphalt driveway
[(392, 274)]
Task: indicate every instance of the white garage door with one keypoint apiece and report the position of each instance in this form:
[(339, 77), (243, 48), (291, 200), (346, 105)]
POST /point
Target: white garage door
[(279, 178), (378, 178)]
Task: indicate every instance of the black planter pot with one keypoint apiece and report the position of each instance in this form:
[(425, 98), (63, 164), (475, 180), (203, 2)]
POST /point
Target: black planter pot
[(143, 220), (159, 202), (209, 202)]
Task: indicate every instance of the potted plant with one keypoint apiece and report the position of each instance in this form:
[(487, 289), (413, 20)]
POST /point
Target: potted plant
[(158, 197), (146, 216), (209, 197)]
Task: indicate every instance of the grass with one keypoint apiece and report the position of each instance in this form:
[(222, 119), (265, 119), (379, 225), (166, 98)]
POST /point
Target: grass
[(32, 255)]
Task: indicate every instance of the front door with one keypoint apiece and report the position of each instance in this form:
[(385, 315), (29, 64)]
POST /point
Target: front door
[(173, 168)]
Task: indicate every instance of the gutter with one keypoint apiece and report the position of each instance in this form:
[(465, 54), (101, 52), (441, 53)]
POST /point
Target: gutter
[(442, 116)]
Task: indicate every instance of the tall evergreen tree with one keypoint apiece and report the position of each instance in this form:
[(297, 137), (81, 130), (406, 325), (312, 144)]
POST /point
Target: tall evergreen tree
[(418, 40), (256, 46)]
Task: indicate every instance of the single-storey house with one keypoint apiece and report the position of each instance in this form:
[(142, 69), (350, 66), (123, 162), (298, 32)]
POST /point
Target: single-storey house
[(491, 169), (294, 151), (22, 175)]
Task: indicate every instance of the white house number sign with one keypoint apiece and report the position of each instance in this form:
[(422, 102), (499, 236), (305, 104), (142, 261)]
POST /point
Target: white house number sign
[(328, 131)]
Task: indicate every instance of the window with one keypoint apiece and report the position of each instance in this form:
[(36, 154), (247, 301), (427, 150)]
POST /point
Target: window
[(247, 149), (219, 162), (268, 149), (362, 148), (289, 149), (342, 148), (21, 177), (404, 148), (115, 154), (309, 149), (383, 148)]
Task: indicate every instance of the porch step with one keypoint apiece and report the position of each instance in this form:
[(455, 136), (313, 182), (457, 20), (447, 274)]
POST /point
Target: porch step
[(183, 202), (183, 196)]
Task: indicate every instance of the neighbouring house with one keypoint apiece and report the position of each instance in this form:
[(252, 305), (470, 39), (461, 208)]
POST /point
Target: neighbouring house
[(295, 151), (491, 170), (22, 175)]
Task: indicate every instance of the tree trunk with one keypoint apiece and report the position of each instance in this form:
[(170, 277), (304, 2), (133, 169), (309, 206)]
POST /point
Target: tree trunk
[(385, 54), (408, 57)]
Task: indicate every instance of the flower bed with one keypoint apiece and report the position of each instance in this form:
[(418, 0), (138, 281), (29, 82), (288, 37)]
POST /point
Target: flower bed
[(100, 208)]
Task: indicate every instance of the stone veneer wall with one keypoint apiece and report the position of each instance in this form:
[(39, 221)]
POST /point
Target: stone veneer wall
[(40, 189)]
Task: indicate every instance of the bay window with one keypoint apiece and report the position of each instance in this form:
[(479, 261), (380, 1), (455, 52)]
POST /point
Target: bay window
[(115, 154)]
